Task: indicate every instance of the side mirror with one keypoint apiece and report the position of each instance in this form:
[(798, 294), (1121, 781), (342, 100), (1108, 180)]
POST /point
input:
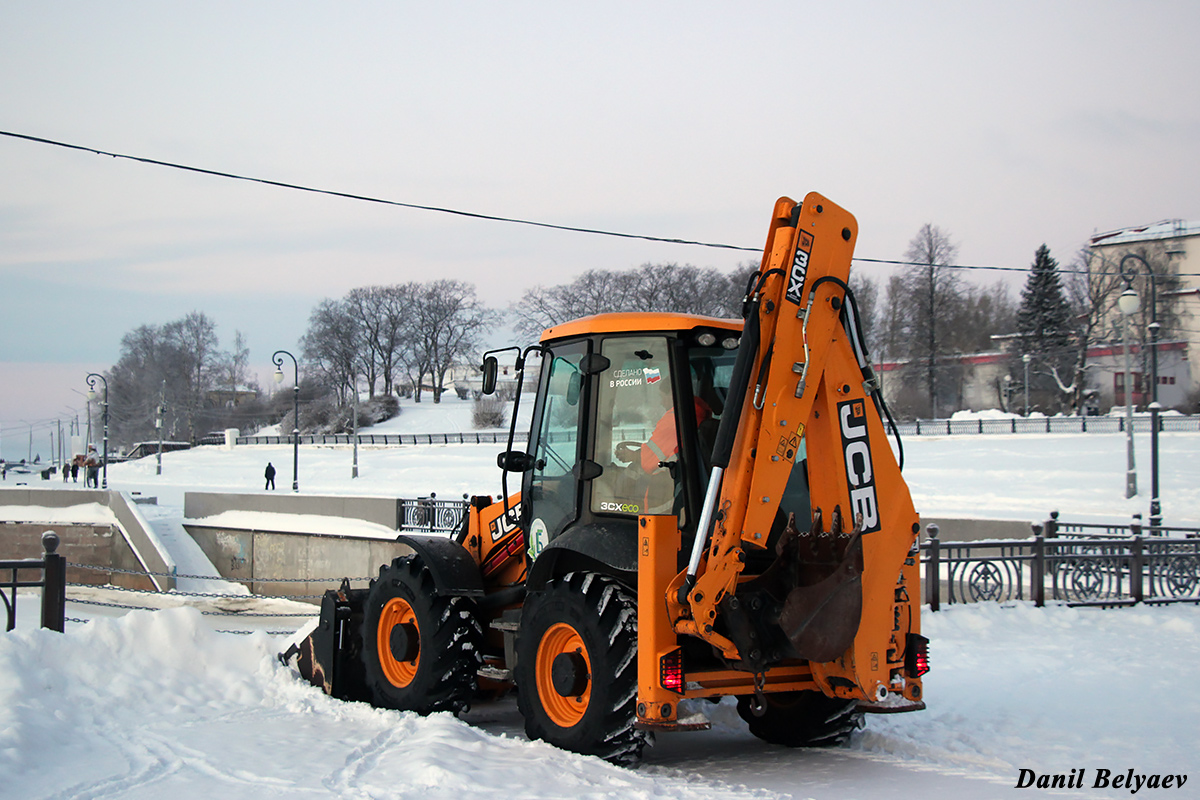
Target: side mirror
[(574, 388), (490, 369), (515, 461)]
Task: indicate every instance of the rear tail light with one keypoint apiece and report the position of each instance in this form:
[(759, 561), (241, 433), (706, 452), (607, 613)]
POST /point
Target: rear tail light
[(916, 655), (670, 671)]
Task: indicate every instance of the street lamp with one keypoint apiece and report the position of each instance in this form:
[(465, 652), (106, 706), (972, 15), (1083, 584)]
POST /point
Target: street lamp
[(1025, 358), (277, 360), (1129, 303), (91, 382), (354, 412)]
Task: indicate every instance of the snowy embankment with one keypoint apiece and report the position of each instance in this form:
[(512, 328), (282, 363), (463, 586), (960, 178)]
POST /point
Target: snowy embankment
[(148, 704), (991, 476), (158, 704)]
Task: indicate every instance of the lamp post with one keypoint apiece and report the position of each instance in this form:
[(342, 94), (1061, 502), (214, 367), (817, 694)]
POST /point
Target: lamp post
[(1025, 358), (277, 359), (91, 382), (158, 423), (354, 413), (1129, 304)]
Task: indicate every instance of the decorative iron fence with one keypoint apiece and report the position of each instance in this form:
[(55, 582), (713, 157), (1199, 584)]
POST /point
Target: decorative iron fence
[(920, 427), (460, 437), (1087, 570), (53, 583), (1053, 527), (430, 515), (952, 427)]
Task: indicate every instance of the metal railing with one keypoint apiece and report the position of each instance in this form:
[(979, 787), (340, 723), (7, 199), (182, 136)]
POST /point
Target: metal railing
[(460, 437), (430, 515), (920, 427), (954, 427), (1077, 570), (53, 583)]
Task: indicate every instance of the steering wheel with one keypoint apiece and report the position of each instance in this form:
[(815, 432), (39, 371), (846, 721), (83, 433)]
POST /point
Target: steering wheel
[(628, 452)]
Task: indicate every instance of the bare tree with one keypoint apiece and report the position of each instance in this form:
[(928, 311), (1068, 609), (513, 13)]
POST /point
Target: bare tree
[(932, 292), (334, 344), (866, 296), (195, 341), (684, 289), (445, 325), (1093, 294)]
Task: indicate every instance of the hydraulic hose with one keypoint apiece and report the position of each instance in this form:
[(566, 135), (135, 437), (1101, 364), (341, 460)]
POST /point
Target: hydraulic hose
[(739, 382)]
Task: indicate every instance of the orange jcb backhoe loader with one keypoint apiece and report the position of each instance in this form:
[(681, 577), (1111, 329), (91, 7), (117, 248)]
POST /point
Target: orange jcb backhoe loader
[(707, 508)]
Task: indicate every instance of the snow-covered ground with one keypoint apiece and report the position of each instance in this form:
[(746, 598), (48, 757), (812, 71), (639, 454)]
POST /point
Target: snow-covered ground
[(149, 704)]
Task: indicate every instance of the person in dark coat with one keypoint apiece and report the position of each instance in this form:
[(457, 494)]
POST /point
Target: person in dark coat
[(92, 464), (75, 469), (270, 473)]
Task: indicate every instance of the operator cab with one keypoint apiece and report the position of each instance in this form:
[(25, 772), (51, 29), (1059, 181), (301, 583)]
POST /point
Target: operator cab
[(624, 424)]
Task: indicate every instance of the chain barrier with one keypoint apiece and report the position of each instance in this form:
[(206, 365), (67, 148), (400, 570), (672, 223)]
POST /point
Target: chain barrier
[(140, 572), (238, 633), (215, 595), (204, 595), (217, 630), (205, 613)]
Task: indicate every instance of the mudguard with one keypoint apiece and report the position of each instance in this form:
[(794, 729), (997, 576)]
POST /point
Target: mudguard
[(455, 573), (609, 546)]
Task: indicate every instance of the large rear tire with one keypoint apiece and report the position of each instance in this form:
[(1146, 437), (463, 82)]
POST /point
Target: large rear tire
[(420, 650), (803, 719), (576, 671)]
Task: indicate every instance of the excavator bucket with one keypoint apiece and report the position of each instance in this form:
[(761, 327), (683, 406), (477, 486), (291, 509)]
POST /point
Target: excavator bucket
[(823, 605), (821, 620)]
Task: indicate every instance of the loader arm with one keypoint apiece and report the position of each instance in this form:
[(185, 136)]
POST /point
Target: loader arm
[(809, 393)]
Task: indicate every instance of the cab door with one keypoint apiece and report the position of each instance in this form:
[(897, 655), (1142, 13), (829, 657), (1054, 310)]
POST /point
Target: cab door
[(551, 488)]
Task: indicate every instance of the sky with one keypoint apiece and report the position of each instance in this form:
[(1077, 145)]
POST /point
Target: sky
[(1007, 125)]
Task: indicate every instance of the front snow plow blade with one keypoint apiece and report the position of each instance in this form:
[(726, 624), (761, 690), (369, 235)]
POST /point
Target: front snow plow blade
[(331, 656)]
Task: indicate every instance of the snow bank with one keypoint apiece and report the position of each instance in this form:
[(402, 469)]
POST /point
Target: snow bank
[(157, 703)]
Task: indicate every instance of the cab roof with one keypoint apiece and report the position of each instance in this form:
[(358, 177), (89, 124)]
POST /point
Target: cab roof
[(636, 322)]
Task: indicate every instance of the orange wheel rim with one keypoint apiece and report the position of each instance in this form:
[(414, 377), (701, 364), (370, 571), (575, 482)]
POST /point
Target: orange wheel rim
[(396, 612), (564, 712)]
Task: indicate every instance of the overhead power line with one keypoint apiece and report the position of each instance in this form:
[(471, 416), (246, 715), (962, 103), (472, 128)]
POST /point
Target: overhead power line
[(490, 217), (369, 199)]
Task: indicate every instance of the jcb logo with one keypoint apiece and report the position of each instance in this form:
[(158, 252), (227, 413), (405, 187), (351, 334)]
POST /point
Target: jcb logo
[(856, 448)]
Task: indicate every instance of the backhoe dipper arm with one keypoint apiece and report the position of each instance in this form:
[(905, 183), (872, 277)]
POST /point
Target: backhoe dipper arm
[(806, 380)]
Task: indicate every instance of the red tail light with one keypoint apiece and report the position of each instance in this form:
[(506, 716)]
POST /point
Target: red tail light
[(670, 671), (916, 655)]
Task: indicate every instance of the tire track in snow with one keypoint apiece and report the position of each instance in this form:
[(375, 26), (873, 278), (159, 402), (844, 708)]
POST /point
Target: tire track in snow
[(346, 781)]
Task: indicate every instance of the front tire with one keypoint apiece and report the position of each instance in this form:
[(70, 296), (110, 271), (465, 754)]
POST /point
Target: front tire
[(576, 671), (420, 650), (803, 719)]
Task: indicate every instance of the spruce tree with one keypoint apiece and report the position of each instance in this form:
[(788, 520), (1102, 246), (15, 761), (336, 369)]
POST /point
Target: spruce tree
[(1044, 322), (1044, 317)]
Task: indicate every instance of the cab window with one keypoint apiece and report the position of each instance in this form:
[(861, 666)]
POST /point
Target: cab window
[(636, 442)]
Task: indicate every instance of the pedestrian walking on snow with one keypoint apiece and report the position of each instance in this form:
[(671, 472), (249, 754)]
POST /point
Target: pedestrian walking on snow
[(270, 474), (92, 463)]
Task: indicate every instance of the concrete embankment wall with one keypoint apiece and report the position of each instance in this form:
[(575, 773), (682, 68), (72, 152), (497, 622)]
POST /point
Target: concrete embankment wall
[(976, 530), (267, 554), (127, 545)]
